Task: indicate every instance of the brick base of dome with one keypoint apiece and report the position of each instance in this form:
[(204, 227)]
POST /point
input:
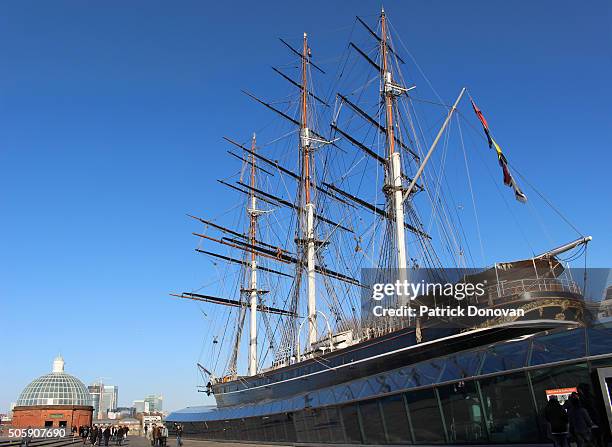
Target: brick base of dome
[(52, 416)]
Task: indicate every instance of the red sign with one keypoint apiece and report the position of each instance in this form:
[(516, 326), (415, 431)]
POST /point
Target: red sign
[(562, 393)]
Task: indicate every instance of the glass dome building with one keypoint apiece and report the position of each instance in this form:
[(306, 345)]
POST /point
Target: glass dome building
[(41, 401), (56, 388)]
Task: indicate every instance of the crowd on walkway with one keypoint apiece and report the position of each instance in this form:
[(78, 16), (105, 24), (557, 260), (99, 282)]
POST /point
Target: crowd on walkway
[(576, 421), (158, 435), (102, 434)]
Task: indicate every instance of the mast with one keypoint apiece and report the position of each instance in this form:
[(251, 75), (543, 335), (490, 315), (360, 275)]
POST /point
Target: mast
[(394, 180), (253, 286), (309, 206)]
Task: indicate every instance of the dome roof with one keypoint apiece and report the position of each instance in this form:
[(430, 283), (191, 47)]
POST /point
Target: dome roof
[(56, 388)]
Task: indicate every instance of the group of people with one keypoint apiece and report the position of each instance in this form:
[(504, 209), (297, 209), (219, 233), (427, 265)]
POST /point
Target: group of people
[(157, 434), (577, 420), (99, 434)]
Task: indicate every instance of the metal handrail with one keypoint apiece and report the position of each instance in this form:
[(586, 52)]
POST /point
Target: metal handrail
[(503, 289)]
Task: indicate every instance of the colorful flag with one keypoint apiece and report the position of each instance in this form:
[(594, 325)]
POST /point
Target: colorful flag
[(501, 158), (484, 123)]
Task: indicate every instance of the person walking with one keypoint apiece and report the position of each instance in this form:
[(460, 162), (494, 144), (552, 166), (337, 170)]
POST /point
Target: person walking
[(119, 435), (149, 434), (580, 422), (146, 429), (152, 435), (25, 441), (557, 421), (164, 435), (107, 434), (94, 435), (179, 435), (156, 435)]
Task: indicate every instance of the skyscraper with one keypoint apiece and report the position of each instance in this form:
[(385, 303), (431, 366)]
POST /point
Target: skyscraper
[(110, 397), (155, 402), (95, 391), (140, 406), (104, 398)]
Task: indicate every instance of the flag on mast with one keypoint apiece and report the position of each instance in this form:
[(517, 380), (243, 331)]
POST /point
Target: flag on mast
[(501, 158)]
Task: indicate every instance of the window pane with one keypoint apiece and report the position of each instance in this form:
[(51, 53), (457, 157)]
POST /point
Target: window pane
[(290, 428), (565, 376), (321, 425), (425, 416), (426, 373), (300, 433), (350, 419), (462, 412), (508, 408), (558, 346), (335, 425), (504, 357), (599, 339), (371, 421), (311, 434), (461, 366), (396, 419)]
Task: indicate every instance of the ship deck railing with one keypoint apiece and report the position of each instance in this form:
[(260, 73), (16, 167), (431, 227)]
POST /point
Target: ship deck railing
[(507, 290)]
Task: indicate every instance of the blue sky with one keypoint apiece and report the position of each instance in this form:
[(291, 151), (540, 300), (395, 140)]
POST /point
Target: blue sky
[(111, 118)]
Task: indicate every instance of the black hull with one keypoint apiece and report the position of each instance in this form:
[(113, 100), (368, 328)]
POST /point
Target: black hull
[(383, 355), (399, 349)]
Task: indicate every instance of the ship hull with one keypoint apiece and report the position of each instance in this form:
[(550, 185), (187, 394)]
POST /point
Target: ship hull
[(543, 310), (455, 392)]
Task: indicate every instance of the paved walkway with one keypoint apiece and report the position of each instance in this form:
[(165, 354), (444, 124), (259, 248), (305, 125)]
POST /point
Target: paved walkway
[(139, 441)]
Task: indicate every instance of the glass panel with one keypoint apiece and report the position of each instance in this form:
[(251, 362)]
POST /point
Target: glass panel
[(398, 379), (426, 373), (311, 400), (425, 417), (396, 419), (599, 339), (371, 422), (311, 426), (350, 419), (356, 387), (381, 384), (300, 428), (321, 425), (565, 376), (558, 346), (460, 404), (267, 423), (335, 425), (461, 366), (344, 393), (326, 397), (508, 408), (505, 356), (290, 428)]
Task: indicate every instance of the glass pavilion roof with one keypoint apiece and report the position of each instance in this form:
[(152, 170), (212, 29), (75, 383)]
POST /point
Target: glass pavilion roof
[(56, 388)]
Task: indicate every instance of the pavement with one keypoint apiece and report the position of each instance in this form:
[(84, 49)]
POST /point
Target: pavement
[(139, 441)]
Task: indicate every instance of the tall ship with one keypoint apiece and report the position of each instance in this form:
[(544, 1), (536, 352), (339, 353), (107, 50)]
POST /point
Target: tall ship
[(357, 184)]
